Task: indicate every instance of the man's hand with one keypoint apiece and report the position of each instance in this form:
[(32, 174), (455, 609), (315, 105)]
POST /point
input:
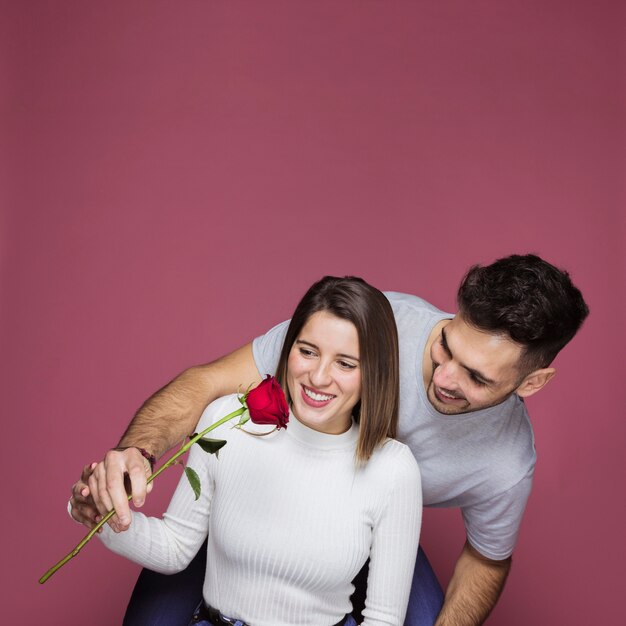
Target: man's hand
[(475, 587), (83, 509), (161, 422), (107, 485)]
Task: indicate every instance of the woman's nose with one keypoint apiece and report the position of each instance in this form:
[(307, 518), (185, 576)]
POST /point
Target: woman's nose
[(320, 375)]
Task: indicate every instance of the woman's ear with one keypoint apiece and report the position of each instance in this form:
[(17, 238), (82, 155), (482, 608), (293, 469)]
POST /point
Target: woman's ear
[(535, 381)]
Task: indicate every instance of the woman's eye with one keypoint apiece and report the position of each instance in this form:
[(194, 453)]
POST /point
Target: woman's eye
[(347, 366), (306, 352)]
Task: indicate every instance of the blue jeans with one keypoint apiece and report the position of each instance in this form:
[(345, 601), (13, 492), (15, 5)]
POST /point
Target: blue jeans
[(160, 600), (426, 594), (425, 600)]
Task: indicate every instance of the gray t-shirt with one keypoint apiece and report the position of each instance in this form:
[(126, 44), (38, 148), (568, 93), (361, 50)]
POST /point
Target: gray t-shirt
[(481, 462)]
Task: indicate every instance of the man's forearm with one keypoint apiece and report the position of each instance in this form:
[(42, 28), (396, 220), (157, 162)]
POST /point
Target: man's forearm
[(474, 589), (170, 414), (173, 412)]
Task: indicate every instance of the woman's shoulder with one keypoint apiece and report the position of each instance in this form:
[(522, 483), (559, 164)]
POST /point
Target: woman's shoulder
[(393, 447), (394, 456), (393, 476)]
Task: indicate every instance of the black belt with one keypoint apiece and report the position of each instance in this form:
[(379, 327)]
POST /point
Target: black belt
[(214, 617)]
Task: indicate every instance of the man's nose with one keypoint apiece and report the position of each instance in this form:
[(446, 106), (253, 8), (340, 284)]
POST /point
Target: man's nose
[(444, 375)]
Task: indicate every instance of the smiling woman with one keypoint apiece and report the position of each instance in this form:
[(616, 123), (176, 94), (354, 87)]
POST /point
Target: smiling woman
[(353, 323), (323, 373), (364, 327), (293, 516)]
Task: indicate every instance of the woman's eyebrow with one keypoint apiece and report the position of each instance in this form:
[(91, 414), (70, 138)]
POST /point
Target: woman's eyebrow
[(307, 343), (341, 354)]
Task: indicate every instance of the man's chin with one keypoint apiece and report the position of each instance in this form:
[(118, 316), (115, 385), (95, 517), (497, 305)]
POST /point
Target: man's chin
[(446, 408)]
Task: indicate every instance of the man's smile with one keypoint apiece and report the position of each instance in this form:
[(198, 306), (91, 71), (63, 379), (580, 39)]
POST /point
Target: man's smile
[(443, 395)]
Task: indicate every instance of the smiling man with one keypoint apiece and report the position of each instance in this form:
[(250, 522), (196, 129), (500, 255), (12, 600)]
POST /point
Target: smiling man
[(473, 369), (463, 380)]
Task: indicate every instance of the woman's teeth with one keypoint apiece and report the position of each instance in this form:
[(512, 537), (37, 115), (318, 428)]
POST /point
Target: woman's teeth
[(318, 397)]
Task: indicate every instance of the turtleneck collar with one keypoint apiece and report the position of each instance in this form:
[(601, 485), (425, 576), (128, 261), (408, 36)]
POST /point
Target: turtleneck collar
[(319, 440)]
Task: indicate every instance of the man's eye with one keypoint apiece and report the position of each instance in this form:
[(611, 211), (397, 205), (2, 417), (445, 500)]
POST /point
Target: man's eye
[(477, 381)]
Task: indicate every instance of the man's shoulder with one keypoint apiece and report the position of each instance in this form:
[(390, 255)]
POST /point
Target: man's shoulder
[(409, 307), (409, 302), (512, 453), (414, 317)]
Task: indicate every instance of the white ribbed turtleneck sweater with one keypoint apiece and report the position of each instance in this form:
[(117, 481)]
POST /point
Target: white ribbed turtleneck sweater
[(291, 520)]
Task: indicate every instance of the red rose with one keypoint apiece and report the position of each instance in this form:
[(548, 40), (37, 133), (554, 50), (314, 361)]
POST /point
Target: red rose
[(267, 404)]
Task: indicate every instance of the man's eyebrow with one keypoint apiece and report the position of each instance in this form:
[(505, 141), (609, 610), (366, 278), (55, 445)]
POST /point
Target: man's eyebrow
[(341, 355), (444, 342), (475, 373)]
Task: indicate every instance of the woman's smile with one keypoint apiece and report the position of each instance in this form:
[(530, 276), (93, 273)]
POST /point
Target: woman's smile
[(315, 398)]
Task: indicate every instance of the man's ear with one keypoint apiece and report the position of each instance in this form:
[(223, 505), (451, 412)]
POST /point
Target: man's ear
[(535, 381)]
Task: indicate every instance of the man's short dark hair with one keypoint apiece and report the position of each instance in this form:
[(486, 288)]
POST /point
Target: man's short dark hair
[(528, 299)]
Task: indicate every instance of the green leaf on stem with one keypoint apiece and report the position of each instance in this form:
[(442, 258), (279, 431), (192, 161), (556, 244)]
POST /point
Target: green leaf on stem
[(194, 481), (212, 446)]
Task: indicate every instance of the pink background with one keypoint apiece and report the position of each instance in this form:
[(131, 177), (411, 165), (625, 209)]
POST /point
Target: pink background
[(175, 174)]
